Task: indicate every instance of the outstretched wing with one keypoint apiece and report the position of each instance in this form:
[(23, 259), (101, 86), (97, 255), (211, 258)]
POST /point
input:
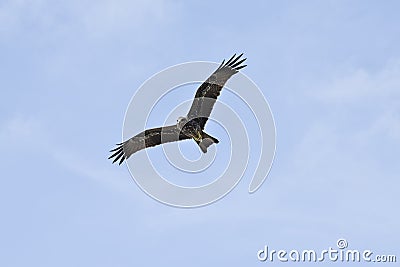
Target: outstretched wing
[(147, 138), (209, 91)]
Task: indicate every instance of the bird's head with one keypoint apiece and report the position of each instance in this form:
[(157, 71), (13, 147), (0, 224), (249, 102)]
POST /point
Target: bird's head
[(180, 122)]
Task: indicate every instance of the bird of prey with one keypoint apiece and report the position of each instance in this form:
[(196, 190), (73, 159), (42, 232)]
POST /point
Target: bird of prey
[(191, 126)]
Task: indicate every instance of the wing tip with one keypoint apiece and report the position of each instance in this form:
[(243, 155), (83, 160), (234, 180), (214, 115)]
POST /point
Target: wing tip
[(234, 62), (118, 154)]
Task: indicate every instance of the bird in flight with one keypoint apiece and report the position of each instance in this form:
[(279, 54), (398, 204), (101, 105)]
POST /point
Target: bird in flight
[(191, 126)]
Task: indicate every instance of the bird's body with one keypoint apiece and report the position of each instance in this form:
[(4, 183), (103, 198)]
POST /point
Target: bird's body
[(191, 126)]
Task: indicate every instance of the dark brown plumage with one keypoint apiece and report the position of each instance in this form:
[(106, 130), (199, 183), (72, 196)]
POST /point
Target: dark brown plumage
[(193, 124)]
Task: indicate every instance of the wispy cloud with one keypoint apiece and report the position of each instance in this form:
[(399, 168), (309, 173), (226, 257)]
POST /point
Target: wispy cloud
[(360, 83), (112, 16), (20, 129), (26, 134), (375, 96), (84, 166), (387, 125), (20, 14), (358, 113), (345, 149), (99, 19)]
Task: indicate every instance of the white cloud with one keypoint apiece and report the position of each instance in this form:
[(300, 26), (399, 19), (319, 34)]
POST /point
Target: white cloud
[(360, 83), (19, 129), (99, 18), (83, 165), (389, 124), (26, 134), (15, 15), (374, 97), (358, 112), (344, 153), (107, 16)]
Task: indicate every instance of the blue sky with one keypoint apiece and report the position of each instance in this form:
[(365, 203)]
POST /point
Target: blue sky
[(330, 71)]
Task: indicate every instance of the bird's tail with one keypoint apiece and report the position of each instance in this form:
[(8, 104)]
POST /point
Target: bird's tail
[(207, 141)]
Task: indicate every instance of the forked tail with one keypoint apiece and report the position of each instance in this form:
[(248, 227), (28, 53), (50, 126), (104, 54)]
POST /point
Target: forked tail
[(207, 141)]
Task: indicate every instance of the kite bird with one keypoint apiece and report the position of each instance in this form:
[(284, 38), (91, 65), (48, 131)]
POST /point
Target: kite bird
[(191, 126)]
